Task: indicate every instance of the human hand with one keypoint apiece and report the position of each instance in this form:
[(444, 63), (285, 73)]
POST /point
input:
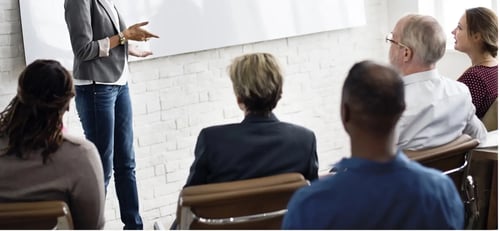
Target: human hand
[(134, 51), (136, 33)]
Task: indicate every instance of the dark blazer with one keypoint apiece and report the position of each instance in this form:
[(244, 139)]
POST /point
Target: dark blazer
[(258, 146), (89, 21)]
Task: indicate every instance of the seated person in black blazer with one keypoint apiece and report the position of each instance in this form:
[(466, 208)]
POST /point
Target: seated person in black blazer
[(260, 145)]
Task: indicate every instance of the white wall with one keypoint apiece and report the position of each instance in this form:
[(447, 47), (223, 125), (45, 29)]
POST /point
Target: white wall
[(174, 97), (453, 64)]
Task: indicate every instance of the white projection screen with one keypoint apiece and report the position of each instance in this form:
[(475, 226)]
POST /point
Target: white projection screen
[(192, 25)]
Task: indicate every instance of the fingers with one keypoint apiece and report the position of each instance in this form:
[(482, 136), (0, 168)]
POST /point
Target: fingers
[(140, 24), (150, 35), (139, 34), (146, 53)]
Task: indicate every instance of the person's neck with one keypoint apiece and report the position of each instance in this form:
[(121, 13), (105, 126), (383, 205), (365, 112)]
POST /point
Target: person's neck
[(375, 147), (258, 113), (417, 68), (482, 58)]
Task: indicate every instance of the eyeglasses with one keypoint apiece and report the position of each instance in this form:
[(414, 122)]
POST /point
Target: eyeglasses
[(388, 38)]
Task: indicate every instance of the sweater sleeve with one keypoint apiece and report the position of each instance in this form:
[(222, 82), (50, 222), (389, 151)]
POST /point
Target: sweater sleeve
[(87, 194)]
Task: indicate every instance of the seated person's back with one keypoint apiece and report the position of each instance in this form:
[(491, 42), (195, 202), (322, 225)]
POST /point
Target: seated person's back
[(260, 145), (436, 114), (378, 187), (38, 162), (438, 110)]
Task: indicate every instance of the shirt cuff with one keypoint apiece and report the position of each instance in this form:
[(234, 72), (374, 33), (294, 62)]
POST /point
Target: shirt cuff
[(103, 47)]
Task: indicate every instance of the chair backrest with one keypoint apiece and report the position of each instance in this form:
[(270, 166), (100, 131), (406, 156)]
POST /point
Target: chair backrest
[(490, 118), (451, 158), (35, 215), (258, 203)]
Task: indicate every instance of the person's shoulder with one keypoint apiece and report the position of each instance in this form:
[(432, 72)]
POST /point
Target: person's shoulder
[(219, 128), (76, 140), (317, 190), (297, 128), (76, 144), (424, 172), (454, 86), (478, 74)]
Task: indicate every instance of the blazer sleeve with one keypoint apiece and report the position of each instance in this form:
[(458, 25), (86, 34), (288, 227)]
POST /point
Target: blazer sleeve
[(199, 170), (78, 16), (313, 162)]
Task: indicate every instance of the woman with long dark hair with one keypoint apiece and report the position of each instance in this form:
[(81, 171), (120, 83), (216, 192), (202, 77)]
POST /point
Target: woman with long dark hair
[(37, 161)]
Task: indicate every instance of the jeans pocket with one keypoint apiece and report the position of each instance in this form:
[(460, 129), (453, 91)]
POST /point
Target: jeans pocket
[(103, 89)]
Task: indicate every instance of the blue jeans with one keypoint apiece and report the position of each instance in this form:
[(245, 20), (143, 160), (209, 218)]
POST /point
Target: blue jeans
[(106, 115)]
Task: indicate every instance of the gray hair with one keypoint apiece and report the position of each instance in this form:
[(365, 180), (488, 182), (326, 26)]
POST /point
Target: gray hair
[(425, 37)]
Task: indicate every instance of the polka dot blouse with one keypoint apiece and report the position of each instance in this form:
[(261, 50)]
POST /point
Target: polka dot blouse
[(482, 82)]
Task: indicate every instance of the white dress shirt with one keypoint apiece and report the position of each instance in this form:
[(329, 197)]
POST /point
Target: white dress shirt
[(438, 110)]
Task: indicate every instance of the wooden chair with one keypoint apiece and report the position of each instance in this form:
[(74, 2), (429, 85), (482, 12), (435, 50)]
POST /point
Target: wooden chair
[(35, 215), (490, 119), (258, 203), (453, 159)]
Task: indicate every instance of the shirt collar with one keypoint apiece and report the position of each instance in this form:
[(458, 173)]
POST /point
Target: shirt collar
[(256, 118), (363, 164), (420, 76)]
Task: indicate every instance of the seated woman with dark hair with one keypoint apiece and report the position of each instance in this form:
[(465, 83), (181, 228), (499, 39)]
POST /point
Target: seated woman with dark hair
[(40, 163), (260, 145)]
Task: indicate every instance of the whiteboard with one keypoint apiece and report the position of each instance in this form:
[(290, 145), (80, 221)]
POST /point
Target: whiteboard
[(192, 25)]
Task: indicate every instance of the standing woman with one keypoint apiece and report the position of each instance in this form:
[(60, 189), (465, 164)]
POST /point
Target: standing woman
[(477, 36), (40, 163), (99, 41)]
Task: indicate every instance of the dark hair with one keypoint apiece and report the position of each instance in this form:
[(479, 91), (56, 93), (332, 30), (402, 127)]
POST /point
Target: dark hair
[(33, 119), (484, 21), (375, 93)]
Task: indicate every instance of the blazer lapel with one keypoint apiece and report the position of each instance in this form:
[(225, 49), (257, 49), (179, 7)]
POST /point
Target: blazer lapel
[(109, 11), (122, 25)]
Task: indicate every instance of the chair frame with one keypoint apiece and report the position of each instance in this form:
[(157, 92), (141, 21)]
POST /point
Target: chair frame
[(211, 197), (35, 215), (435, 157)]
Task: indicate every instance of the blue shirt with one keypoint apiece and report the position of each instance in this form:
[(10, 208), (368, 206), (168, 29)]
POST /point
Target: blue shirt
[(363, 194)]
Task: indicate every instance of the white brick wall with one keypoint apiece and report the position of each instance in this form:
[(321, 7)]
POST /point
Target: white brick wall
[(175, 97)]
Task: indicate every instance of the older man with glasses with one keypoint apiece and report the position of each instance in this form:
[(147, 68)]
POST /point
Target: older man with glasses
[(438, 109)]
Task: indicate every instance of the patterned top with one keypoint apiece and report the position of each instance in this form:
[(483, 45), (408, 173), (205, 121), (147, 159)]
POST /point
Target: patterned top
[(482, 82)]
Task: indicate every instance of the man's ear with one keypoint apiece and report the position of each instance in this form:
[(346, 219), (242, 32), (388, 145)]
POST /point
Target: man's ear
[(408, 54)]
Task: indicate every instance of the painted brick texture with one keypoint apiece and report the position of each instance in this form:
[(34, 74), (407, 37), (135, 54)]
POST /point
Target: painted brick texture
[(175, 97)]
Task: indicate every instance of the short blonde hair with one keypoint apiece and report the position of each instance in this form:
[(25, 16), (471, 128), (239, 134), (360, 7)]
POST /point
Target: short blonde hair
[(257, 81)]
